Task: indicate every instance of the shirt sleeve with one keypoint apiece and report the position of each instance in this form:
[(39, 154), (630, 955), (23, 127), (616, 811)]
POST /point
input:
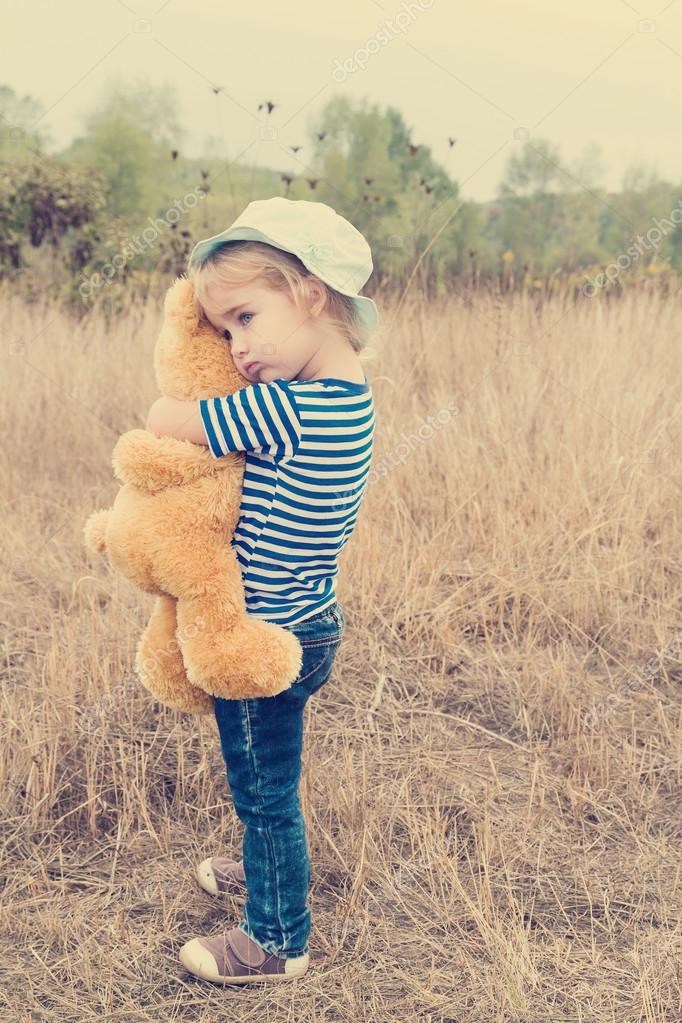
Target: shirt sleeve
[(258, 417)]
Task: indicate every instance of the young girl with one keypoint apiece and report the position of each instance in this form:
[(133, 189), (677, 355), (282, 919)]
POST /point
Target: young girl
[(281, 285)]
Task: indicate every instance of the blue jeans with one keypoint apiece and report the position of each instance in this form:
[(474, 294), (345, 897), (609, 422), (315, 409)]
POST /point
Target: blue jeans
[(262, 740)]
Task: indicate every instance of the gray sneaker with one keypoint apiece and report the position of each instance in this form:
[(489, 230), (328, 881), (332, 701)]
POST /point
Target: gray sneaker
[(219, 875), (234, 958)]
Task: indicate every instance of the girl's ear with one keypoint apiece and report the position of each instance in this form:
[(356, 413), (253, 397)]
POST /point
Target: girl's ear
[(316, 296)]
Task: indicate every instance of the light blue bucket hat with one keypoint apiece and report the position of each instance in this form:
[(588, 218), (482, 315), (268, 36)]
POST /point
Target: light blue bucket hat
[(326, 243)]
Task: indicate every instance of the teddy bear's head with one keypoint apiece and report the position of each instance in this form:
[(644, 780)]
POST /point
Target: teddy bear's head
[(191, 359)]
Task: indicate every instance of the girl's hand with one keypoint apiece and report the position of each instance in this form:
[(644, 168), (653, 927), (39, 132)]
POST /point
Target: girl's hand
[(169, 417)]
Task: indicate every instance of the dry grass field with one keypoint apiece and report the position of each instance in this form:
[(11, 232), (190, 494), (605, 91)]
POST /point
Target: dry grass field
[(492, 774)]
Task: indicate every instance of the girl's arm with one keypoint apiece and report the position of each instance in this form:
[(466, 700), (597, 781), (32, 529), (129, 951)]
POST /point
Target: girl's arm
[(170, 417), (258, 417)]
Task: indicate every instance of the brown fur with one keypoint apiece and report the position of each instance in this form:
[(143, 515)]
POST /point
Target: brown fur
[(169, 531)]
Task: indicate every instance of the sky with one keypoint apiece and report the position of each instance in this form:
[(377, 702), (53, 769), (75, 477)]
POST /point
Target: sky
[(490, 74)]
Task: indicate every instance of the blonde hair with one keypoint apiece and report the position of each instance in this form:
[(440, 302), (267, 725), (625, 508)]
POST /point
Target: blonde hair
[(240, 262)]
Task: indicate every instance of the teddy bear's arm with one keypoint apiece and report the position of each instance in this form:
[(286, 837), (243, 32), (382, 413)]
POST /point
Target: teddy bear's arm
[(154, 463)]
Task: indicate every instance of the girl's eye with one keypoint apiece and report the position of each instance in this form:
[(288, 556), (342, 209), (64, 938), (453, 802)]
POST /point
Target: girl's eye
[(226, 334)]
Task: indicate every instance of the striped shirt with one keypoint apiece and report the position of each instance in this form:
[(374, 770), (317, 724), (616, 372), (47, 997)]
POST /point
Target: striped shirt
[(308, 447)]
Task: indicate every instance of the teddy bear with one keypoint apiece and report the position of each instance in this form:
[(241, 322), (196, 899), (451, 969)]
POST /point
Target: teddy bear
[(169, 532)]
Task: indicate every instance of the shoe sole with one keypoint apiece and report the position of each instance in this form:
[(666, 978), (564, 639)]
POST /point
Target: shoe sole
[(206, 878), (263, 978)]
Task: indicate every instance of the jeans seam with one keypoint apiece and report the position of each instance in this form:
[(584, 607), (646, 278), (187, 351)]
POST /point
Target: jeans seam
[(266, 825), (321, 642), (268, 945)]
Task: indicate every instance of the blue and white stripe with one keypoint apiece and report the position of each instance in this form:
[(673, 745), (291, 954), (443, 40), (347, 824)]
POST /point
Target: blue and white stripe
[(308, 450), (260, 417)]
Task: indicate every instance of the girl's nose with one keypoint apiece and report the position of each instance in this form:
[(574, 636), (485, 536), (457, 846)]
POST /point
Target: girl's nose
[(239, 346)]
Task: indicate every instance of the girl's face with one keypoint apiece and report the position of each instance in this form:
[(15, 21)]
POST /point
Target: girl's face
[(268, 337)]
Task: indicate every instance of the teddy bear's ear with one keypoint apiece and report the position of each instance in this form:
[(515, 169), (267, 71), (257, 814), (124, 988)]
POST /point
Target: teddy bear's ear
[(180, 306), (179, 299), (191, 360)]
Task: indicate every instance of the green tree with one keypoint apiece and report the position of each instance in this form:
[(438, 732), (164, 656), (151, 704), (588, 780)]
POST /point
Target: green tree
[(370, 174), (20, 140), (129, 137), (532, 206)]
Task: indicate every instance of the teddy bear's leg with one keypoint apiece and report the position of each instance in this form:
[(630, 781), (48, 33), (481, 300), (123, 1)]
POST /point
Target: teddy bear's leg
[(94, 531), (160, 665), (226, 652)]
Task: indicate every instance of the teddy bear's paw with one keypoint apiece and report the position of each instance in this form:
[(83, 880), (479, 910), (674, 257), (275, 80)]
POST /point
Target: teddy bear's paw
[(94, 531), (251, 659), (161, 670), (153, 463)]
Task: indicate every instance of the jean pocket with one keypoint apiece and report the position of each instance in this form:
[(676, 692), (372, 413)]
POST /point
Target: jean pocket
[(319, 631), (317, 663)]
